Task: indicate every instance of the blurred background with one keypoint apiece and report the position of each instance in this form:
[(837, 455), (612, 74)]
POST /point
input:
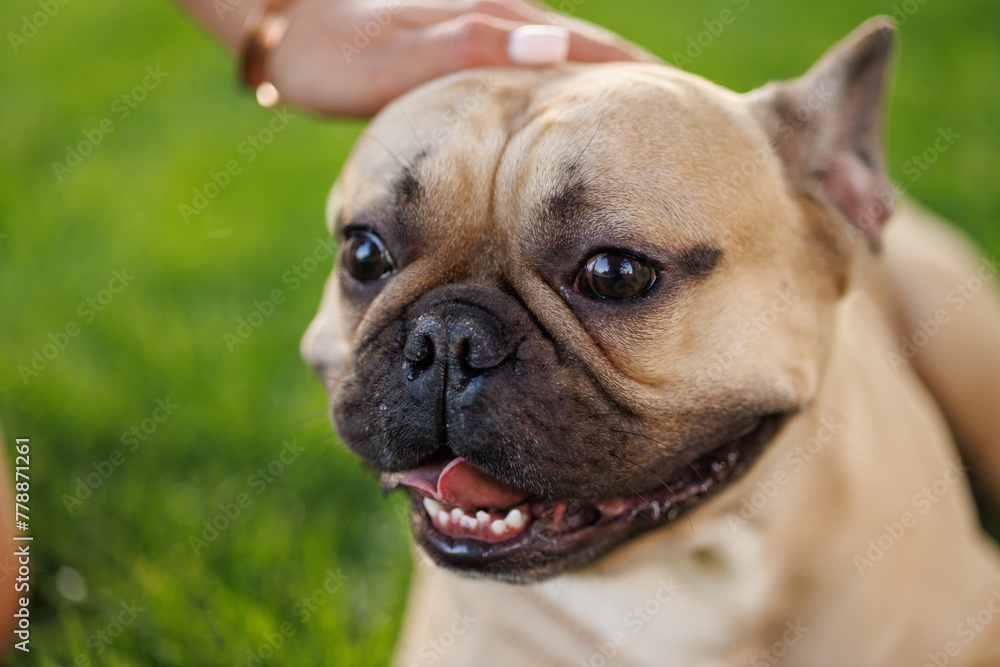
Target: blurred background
[(162, 249)]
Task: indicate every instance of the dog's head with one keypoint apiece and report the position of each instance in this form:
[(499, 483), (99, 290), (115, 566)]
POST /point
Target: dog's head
[(573, 304)]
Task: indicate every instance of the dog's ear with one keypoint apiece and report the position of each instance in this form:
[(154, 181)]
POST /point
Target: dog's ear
[(827, 126)]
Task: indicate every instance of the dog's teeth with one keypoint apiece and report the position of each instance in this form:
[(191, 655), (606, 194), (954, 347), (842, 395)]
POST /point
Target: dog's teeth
[(515, 519), (432, 506), (482, 525)]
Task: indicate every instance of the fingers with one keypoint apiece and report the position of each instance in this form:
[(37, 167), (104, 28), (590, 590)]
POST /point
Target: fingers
[(482, 40), (428, 12), (470, 40), (590, 43), (419, 55), (586, 49), (426, 39), (538, 45), (467, 41)]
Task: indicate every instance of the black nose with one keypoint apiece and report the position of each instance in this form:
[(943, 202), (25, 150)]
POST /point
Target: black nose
[(449, 347)]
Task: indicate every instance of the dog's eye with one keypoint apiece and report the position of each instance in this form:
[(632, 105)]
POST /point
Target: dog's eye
[(613, 275), (366, 258)]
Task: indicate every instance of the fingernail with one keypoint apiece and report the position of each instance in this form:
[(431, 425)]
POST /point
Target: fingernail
[(538, 45)]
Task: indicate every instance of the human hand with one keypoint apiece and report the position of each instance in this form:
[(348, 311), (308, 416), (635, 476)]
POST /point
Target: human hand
[(351, 57)]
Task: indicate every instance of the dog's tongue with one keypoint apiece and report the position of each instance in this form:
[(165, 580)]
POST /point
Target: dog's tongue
[(459, 484)]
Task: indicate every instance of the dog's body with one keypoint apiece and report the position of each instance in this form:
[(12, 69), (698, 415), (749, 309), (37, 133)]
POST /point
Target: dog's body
[(769, 334), (799, 572)]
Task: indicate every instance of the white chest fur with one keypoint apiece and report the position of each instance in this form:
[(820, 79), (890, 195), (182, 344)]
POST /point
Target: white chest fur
[(697, 600)]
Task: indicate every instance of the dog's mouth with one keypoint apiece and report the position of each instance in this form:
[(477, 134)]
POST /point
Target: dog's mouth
[(467, 520)]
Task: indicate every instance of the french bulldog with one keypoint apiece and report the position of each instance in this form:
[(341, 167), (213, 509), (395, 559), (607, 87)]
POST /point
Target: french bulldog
[(652, 361)]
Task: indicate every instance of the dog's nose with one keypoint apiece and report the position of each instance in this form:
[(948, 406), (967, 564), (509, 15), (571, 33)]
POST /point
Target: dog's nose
[(451, 345)]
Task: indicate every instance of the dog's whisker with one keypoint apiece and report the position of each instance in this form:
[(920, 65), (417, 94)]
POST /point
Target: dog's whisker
[(664, 446), (409, 124), (616, 495), (647, 471), (401, 163), (590, 141)]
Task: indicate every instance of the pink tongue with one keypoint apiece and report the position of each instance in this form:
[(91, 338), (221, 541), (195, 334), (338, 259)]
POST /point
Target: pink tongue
[(458, 483)]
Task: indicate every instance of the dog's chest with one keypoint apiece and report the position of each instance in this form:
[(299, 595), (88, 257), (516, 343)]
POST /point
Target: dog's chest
[(654, 607)]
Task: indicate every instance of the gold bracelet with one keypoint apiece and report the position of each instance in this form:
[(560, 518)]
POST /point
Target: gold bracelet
[(265, 27)]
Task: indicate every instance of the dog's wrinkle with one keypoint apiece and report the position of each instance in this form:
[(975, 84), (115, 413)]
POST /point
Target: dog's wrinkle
[(647, 388), (592, 376), (510, 290), (387, 317), (516, 128)]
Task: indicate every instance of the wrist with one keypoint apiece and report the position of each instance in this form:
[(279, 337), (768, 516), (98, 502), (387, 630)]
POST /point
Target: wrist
[(223, 18), (264, 28)]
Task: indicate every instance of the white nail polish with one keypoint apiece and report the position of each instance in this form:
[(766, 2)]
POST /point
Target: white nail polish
[(538, 45)]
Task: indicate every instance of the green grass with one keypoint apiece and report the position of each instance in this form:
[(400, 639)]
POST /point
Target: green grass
[(162, 336)]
